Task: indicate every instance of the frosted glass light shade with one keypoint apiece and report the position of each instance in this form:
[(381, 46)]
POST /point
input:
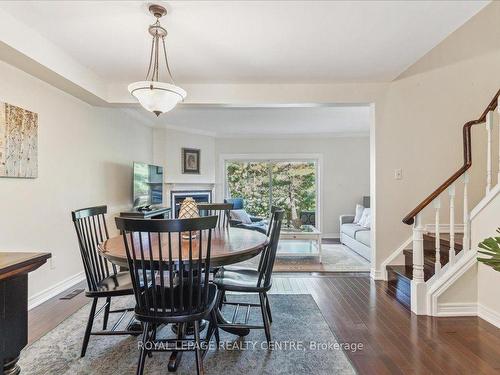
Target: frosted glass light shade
[(157, 97)]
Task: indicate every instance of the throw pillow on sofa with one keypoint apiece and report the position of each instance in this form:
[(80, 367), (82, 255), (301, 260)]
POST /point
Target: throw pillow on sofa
[(365, 220), (368, 221), (359, 213), (240, 215)]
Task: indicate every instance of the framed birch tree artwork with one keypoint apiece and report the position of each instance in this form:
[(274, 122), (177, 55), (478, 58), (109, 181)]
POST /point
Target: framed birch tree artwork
[(18, 142)]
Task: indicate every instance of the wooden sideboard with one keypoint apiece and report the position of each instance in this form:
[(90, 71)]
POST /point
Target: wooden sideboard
[(154, 213), (14, 269)]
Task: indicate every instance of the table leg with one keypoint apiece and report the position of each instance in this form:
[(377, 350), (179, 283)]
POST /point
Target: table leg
[(13, 322), (190, 328)]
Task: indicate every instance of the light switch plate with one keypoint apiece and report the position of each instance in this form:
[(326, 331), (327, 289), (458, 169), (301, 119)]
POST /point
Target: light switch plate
[(398, 174)]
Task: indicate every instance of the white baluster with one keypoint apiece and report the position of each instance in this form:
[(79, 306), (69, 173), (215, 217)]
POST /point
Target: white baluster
[(466, 240), (498, 109), (489, 124), (437, 264), (451, 192), (418, 286), (418, 250)]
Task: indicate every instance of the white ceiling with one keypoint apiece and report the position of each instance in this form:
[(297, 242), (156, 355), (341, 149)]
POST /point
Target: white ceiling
[(280, 121), (249, 41)]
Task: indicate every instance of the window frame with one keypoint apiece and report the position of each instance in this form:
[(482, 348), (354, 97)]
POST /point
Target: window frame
[(270, 158)]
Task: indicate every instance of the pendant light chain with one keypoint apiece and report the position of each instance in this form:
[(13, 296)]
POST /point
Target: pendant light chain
[(154, 57), (150, 59), (166, 60)]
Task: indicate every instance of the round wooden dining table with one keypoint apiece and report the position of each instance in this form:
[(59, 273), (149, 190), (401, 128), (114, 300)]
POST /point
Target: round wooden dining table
[(229, 246)]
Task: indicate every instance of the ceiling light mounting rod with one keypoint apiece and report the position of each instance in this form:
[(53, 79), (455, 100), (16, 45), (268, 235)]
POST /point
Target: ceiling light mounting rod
[(157, 97)]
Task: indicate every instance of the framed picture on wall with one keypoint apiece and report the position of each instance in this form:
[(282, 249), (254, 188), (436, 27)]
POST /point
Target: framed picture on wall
[(190, 161)]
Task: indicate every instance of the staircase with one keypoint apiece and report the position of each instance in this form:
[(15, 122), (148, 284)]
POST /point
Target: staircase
[(399, 276), (439, 251)]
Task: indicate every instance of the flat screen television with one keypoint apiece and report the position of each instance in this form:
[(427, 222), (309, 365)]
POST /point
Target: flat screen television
[(147, 185)]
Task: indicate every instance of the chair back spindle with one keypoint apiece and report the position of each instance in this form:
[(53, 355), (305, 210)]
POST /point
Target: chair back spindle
[(91, 230), (169, 263), (221, 210), (268, 255)]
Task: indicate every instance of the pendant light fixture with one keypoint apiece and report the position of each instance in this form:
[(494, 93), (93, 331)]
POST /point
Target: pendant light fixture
[(155, 96)]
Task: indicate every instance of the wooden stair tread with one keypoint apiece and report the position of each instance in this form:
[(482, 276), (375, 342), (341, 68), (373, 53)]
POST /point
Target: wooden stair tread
[(444, 240), (401, 270), (429, 257), (400, 276), (399, 284), (406, 272)]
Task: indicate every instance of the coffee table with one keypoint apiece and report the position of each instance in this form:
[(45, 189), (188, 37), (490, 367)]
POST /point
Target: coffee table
[(304, 233)]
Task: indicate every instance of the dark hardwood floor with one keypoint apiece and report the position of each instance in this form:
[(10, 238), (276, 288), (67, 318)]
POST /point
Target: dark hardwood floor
[(359, 310)]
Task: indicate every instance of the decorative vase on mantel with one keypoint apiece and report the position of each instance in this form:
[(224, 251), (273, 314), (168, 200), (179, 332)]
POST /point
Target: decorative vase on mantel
[(188, 210)]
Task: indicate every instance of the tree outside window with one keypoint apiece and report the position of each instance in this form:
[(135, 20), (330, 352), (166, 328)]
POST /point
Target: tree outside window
[(290, 185)]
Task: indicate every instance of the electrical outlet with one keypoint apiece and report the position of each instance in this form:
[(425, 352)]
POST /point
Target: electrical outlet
[(398, 174)]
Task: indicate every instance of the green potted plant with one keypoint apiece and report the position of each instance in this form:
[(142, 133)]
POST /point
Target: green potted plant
[(491, 247)]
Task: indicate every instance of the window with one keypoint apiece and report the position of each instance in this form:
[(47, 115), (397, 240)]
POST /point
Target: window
[(289, 184)]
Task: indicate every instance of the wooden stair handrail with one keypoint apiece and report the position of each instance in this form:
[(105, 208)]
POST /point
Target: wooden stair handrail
[(410, 218)]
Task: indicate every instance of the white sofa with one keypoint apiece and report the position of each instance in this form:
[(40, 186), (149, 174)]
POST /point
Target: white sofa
[(355, 236)]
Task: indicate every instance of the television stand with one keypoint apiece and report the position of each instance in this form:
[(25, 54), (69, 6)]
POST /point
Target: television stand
[(153, 212)]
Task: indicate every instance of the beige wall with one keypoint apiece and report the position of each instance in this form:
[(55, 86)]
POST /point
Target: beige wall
[(85, 157), (481, 277), (345, 177), (417, 127), (479, 284), (420, 130), (167, 151)]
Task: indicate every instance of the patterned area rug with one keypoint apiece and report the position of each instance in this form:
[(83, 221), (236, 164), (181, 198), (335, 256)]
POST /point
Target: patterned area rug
[(336, 258), (302, 344)]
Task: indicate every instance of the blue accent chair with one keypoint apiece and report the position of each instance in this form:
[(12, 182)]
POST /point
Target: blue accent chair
[(258, 223)]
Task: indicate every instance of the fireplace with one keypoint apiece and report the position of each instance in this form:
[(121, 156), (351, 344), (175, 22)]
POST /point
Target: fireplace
[(177, 196)]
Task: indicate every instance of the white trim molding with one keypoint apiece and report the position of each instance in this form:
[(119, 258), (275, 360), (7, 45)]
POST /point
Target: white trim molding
[(450, 274), (316, 157), (450, 309), (376, 274), (444, 228), (383, 267), (45, 295), (484, 202), (488, 314)]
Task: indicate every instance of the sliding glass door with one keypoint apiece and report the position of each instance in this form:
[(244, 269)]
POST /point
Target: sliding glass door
[(250, 180), (290, 184)]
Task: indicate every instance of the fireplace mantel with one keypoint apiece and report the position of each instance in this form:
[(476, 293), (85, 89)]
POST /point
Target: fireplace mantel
[(183, 187), (190, 185)]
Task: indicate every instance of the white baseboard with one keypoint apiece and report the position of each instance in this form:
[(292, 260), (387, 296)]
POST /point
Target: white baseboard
[(489, 315), (468, 309), (330, 235), (376, 275), (54, 290), (383, 267), (457, 309)]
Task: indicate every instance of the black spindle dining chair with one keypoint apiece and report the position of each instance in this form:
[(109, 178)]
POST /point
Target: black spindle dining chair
[(103, 279), (221, 210), (175, 256), (252, 281)]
